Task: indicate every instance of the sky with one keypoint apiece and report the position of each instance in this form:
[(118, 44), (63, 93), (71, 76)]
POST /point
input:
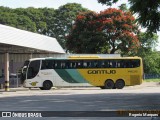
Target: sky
[(90, 4)]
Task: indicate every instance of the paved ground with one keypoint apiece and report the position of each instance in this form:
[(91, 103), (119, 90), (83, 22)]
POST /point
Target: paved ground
[(141, 97)]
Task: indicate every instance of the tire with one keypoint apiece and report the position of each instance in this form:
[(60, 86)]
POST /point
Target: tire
[(114, 87), (109, 84), (41, 88), (102, 87), (119, 84), (47, 85)]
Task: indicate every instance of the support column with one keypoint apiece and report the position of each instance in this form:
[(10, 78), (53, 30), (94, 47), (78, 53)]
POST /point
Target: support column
[(6, 71)]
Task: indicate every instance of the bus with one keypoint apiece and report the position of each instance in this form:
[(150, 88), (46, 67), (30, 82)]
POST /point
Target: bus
[(106, 73)]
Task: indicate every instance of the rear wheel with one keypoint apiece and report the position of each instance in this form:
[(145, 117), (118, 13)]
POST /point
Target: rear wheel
[(119, 84), (109, 84), (47, 85), (102, 87)]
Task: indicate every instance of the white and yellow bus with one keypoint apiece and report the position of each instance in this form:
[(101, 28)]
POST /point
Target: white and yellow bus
[(106, 73)]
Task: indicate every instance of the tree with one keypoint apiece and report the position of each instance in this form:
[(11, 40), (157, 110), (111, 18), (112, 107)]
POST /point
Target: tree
[(47, 21), (35, 15), (147, 43), (62, 24), (148, 13), (49, 17), (113, 28), (107, 2), (85, 36), (151, 58), (124, 8), (152, 63), (147, 10), (8, 17), (120, 30)]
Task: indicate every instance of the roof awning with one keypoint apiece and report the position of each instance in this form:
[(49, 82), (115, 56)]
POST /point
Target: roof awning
[(14, 40)]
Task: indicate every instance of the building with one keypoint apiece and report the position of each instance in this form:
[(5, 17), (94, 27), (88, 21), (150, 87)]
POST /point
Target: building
[(17, 45)]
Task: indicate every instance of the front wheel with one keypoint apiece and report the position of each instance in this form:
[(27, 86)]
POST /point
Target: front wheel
[(41, 88), (47, 85)]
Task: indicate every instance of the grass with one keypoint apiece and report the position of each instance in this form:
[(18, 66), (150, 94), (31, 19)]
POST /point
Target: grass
[(152, 80)]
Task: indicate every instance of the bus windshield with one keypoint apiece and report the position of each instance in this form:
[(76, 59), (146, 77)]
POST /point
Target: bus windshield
[(30, 69), (33, 69), (24, 70)]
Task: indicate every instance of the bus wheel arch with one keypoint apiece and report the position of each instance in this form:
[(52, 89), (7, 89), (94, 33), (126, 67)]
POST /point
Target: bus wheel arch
[(109, 84), (120, 83), (47, 85)]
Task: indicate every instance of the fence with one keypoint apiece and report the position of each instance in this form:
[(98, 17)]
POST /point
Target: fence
[(151, 76), (14, 81)]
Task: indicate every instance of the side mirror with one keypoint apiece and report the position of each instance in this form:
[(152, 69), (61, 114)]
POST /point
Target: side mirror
[(24, 67)]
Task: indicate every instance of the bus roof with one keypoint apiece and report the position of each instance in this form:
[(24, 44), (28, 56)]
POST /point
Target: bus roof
[(84, 58)]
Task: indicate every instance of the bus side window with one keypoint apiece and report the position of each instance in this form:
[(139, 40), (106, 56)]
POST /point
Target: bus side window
[(95, 64), (67, 64), (118, 64), (58, 64), (79, 64), (135, 63), (55, 65), (62, 64), (127, 63), (106, 64), (122, 64), (102, 64), (73, 64), (114, 64), (84, 64)]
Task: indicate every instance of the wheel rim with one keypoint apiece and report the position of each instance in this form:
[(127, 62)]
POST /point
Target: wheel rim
[(109, 84), (47, 85), (120, 84)]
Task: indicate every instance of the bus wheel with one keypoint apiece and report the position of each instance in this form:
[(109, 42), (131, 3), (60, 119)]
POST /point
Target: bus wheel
[(119, 84), (41, 88), (102, 87), (109, 84), (47, 85)]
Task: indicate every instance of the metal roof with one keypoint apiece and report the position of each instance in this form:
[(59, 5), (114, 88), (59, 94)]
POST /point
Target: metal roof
[(13, 39)]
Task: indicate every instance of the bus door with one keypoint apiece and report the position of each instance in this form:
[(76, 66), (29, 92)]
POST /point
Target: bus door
[(33, 77)]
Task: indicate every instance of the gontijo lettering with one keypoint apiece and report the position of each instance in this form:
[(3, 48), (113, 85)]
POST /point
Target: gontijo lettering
[(101, 71)]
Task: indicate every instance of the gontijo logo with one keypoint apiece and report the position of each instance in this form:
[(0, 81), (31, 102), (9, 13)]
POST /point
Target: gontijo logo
[(101, 71)]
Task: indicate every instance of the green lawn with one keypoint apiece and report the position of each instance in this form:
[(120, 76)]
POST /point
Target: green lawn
[(152, 80)]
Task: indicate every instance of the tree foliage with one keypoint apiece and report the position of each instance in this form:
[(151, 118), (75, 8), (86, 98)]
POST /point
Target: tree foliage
[(148, 12), (152, 63), (48, 21), (65, 16), (85, 35), (9, 17), (107, 2), (112, 28), (151, 58)]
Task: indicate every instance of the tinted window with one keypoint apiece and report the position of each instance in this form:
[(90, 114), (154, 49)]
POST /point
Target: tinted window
[(73, 64), (33, 69), (47, 64)]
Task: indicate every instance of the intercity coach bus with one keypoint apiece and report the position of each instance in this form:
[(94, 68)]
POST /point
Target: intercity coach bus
[(106, 73)]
